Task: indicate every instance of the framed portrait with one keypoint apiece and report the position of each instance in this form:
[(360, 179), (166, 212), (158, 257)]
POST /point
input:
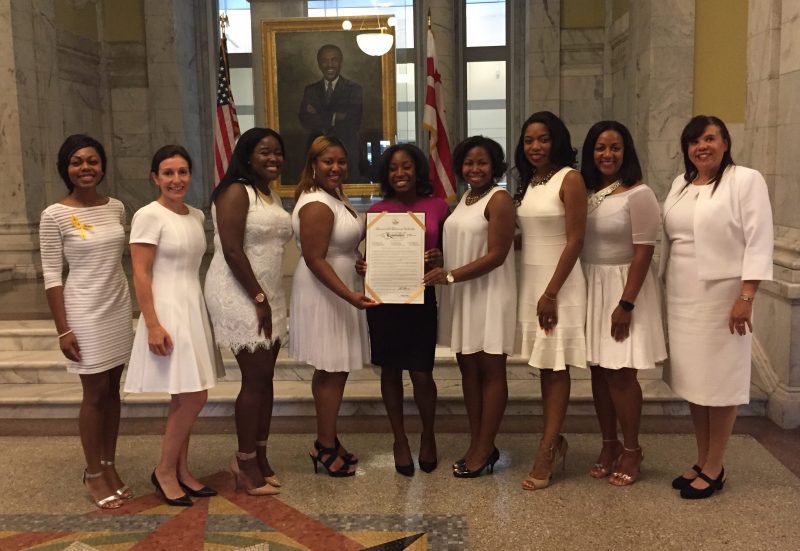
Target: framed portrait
[(318, 82)]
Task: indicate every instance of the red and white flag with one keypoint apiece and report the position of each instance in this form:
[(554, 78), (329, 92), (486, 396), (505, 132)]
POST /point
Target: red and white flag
[(441, 163), (226, 124)]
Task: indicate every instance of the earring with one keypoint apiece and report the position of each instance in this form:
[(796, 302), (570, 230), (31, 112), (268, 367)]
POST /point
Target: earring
[(313, 173)]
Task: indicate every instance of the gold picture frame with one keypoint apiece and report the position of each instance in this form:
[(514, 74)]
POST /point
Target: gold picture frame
[(290, 48)]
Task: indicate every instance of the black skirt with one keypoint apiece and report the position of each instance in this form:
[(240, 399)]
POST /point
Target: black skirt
[(404, 335)]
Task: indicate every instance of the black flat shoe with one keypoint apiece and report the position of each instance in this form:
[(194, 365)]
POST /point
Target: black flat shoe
[(183, 501), (428, 466), (690, 492), (463, 472), (681, 482), (406, 470), (205, 491)]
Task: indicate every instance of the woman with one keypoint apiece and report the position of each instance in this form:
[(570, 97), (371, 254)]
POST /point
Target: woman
[(244, 292), (621, 232), (327, 329), (404, 336), (551, 213), (717, 248), (92, 311), (478, 304), (174, 348)]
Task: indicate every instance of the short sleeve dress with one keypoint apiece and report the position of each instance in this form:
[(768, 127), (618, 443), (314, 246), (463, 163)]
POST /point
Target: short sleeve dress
[(621, 221), (404, 335), (542, 218), (267, 230), (194, 362), (478, 314), (96, 296), (325, 330)]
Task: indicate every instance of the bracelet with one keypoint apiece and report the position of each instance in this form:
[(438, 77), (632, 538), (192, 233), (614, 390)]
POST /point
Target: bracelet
[(548, 297), (626, 305), (747, 298), (64, 334)]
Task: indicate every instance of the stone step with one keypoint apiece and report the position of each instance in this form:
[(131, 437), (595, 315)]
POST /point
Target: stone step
[(361, 397)]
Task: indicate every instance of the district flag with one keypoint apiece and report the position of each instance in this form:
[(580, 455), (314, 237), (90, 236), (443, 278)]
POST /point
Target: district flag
[(433, 119), (226, 124)]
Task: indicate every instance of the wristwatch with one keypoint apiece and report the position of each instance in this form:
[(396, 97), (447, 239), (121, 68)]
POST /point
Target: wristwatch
[(626, 305), (260, 298), (449, 277)]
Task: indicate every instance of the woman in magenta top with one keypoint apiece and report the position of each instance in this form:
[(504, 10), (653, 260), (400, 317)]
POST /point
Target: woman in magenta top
[(403, 336)]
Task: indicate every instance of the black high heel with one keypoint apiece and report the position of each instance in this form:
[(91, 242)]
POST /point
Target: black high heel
[(406, 470), (681, 482), (183, 501), (205, 491), (463, 472), (341, 472), (428, 466), (715, 485), (347, 457)]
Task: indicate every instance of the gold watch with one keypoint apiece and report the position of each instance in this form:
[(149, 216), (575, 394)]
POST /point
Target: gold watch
[(260, 298), (449, 277)]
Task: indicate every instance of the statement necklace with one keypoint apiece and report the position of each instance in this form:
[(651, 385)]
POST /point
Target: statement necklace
[(472, 198), (542, 180), (596, 198)]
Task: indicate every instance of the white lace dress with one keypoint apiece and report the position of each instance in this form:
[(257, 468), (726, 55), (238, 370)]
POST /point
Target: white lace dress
[(232, 310)]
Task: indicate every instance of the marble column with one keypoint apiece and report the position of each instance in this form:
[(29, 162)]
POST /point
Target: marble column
[(544, 57)]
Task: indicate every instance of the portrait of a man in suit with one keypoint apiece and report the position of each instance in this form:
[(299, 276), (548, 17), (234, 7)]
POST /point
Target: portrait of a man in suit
[(333, 106)]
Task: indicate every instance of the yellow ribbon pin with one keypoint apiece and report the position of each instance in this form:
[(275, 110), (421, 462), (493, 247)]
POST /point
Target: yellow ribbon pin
[(81, 227)]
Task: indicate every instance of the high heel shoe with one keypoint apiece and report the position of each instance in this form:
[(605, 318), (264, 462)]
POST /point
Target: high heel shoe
[(123, 491), (602, 470), (341, 472), (242, 481), (347, 457), (681, 482), (405, 470), (715, 485), (111, 502), (428, 466), (271, 479), (183, 501), (555, 453), (464, 472), (619, 478), (205, 491)]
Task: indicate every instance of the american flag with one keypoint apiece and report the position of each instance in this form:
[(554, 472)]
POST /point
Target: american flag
[(433, 119), (226, 125)]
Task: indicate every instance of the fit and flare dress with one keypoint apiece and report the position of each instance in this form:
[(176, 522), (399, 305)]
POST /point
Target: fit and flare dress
[(194, 363), (96, 296), (404, 335), (477, 314), (325, 330), (621, 221), (267, 230), (542, 218)]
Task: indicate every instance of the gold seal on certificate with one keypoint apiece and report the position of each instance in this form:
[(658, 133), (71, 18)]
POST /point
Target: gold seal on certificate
[(395, 257)]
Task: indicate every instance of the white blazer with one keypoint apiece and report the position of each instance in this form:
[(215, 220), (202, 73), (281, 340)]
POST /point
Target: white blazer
[(732, 227)]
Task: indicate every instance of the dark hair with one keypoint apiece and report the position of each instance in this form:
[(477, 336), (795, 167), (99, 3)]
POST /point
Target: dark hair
[(329, 47), (317, 148), (167, 152), (693, 130), (239, 168), (423, 185), (629, 173), (494, 149), (561, 151), (72, 144)]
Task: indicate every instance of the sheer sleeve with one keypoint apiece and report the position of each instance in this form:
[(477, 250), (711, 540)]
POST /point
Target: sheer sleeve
[(645, 216), (51, 246)]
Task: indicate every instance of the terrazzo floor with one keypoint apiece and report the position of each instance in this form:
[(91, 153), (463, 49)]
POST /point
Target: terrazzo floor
[(43, 506)]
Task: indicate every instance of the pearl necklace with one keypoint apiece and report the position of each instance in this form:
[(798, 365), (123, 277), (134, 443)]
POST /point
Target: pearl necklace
[(472, 198), (596, 198)]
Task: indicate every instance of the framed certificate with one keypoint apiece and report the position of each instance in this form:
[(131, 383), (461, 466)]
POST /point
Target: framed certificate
[(395, 257)]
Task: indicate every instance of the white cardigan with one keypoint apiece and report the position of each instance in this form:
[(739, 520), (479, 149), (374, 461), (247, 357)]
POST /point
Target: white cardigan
[(732, 227)]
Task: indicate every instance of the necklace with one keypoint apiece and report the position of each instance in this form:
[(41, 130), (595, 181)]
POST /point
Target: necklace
[(596, 198), (540, 181), (472, 198)]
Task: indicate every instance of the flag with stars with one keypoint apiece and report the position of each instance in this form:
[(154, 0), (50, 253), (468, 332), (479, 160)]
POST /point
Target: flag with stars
[(433, 119), (226, 125)]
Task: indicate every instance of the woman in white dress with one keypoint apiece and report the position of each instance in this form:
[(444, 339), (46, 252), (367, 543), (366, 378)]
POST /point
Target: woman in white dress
[(174, 349), (244, 292), (717, 248), (327, 325), (551, 212), (621, 231), (92, 311), (476, 317)]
